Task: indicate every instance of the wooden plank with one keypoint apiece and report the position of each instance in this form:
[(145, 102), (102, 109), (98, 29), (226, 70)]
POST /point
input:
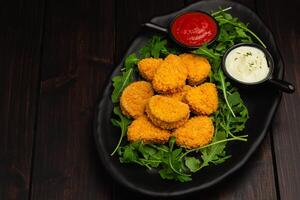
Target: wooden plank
[(20, 44), (77, 58), (132, 13), (286, 125)]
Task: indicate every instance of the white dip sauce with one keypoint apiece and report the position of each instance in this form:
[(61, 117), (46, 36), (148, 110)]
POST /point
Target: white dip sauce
[(247, 64)]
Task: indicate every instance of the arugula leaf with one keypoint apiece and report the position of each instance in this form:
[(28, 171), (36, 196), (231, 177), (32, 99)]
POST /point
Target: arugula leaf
[(192, 163), (157, 47), (240, 28), (174, 161), (224, 90), (129, 155), (234, 99), (146, 151), (123, 123), (131, 61), (157, 156), (206, 52), (125, 78), (216, 153), (153, 48)]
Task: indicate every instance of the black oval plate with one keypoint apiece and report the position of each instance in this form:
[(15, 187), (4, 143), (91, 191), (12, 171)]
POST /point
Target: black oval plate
[(261, 102)]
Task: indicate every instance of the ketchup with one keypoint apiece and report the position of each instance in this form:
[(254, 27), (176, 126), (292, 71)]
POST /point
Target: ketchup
[(194, 29)]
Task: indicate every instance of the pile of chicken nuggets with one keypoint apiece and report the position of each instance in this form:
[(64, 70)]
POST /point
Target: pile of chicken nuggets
[(174, 100)]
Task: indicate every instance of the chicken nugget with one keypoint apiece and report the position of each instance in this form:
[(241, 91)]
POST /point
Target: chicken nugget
[(198, 68), (170, 76), (203, 100), (166, 112), (135, 97), (196, 132), (147, 67), (142, 129), (180, 95)]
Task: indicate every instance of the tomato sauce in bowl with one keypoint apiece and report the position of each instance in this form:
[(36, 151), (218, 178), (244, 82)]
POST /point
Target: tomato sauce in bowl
[(193, 29)]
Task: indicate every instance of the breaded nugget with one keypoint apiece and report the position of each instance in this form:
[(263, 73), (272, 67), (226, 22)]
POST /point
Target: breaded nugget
[(148, 66), (180, 95), (170, 76), (142, 129), (196, 132), (203, 100), (135, 97), (198, 68), (166, 112)]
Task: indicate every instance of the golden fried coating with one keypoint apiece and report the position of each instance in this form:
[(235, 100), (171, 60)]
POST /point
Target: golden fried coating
[(180, 95), (170, 76), (166, 112), (148, 66), (203, 100), (198, 68), (142, 129), (196, 132), (135, 97)]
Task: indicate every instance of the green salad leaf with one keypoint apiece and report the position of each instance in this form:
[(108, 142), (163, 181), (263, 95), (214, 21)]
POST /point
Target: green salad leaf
[(122, 123), (121, 81), (156, 48), (173, 162), (215, 154), (192, 163)]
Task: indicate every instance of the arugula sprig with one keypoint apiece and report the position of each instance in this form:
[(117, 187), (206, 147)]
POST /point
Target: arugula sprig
[(154, 156), (156, 48), (125, 78), (122, 123), (239, 28)]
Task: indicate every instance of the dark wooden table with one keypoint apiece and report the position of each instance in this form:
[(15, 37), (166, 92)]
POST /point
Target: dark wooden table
[(55, 56)]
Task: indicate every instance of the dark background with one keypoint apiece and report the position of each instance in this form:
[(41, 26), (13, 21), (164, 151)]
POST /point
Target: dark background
[(55, 56)]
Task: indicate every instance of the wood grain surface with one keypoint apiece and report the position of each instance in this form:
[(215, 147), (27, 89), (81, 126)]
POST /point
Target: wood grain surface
[(286, 126), (78, 52), (20, 51), (55, 57)]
